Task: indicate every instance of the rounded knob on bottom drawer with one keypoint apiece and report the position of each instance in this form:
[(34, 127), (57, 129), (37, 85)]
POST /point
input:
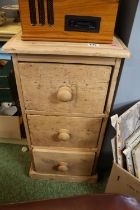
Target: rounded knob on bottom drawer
[(63, 135), (64, 94), (63, 167)]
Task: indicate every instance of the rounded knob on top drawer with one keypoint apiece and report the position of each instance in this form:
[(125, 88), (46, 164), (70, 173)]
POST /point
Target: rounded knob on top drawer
[(62, 166), (64, 94), (63, 135)]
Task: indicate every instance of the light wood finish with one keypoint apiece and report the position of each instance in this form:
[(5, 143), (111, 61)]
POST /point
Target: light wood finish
[(68, 114), (66, 59), (62, 178), (20, 95), (113, 82), (63, 162), (114, 50), (64, 131), (64, 88), (93, 150), (107, 10), (112, 86)]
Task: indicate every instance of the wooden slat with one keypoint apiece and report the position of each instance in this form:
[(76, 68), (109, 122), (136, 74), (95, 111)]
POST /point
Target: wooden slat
[(68, 114), (114, 50), (112, 86), (91, 150), (66, 59), (20, 94)]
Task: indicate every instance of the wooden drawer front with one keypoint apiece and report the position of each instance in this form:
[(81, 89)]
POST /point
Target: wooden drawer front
[(63, 131), (63, 162), (64, 88)]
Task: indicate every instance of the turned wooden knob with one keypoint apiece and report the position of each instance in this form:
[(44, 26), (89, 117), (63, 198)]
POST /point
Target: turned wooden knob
[(62, 166), (63, 135), (64, 94)]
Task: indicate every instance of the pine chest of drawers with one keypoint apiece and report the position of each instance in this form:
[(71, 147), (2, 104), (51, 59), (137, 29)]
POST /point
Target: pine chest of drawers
[(66, 92)]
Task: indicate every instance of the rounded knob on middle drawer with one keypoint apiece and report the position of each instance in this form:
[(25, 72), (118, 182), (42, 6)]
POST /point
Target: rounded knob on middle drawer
[(64, 94), (63, 135)]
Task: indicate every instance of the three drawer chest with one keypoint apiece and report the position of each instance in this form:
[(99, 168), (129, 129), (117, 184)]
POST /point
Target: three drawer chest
[(66, 92)]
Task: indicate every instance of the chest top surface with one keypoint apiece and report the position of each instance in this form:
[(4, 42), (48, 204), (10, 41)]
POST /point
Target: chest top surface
[(115, 50)]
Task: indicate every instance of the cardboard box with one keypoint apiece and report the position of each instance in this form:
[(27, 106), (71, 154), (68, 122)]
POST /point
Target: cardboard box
[(122, 182), (10, 127)]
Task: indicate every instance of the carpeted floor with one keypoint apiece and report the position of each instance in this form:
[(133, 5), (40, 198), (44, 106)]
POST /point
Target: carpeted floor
[(16, 186)]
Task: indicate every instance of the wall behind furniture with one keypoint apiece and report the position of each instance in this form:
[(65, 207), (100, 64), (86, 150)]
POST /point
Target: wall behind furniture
[(129, 86), (128, 29)]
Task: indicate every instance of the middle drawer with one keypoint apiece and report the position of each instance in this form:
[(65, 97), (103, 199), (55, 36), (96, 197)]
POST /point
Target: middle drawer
[(62, 131)]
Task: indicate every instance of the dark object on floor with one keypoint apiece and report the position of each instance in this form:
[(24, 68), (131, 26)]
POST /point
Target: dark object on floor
[(96, 202)]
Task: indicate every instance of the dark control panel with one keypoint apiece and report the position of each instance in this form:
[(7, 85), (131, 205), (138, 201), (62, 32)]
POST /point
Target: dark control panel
[(82, 23)]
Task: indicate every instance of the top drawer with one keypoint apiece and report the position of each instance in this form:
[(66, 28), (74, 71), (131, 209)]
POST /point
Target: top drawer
[(64, 88)]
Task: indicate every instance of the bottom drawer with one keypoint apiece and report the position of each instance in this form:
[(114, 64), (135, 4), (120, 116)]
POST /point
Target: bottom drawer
[(63, 162)]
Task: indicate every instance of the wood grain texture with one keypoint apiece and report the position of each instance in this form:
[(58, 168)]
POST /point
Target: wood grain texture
[(62, 178), (41, 83), (78, 163), (44, 131), (90, 72), (107, 10), (68, 114), (93, 150), (20, 95), (114, 50), (67, 59), (112, 85)]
